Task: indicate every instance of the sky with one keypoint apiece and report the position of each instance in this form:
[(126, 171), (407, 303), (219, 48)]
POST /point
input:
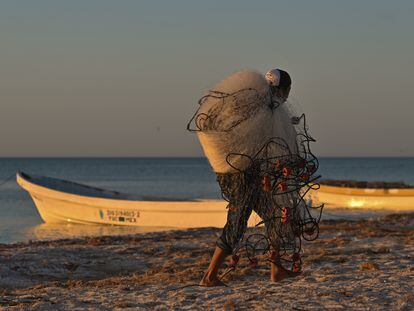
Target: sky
[(122, 78)]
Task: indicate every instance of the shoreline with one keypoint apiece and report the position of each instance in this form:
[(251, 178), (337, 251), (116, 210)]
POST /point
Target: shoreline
[(51, 232), (360, 264)]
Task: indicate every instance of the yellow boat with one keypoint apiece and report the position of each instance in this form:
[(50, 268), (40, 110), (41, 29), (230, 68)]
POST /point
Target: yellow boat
[(396, 199), (61, 201)]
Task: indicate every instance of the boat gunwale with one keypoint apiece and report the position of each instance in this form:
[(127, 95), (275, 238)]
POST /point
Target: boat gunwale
[(115, 195), (382, 192), (42, 191)]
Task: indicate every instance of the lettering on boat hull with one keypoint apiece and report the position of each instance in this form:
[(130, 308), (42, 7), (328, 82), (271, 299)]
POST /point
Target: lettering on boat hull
[(120, 215)]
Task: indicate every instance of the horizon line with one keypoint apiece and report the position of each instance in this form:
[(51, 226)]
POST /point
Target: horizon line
[(175, 157)]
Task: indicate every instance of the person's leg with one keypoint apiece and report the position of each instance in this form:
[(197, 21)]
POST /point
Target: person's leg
[(277, 272), (283, 226), (210, 277), (237, 217), (267, 210)]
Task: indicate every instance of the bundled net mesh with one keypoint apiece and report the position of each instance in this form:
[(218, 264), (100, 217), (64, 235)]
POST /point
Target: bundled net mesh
[(263, 161)]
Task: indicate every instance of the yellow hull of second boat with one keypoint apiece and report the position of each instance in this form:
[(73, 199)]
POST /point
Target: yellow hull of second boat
[(344, 197)]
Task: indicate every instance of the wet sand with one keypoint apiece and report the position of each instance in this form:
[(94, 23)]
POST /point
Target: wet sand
[(358, 265)]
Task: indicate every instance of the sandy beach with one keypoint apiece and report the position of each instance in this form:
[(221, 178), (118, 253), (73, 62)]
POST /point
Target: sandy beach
[(359, 265)]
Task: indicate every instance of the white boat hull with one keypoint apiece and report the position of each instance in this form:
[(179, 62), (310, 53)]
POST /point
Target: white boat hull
[(61, 207)]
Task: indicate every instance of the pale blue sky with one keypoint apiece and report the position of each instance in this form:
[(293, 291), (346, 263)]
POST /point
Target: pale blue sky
[(122, 78)]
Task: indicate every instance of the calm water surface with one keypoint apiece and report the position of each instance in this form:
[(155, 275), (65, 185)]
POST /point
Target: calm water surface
[(159, 177)]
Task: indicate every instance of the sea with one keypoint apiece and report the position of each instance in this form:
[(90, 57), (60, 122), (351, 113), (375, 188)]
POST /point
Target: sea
[(178, 178)]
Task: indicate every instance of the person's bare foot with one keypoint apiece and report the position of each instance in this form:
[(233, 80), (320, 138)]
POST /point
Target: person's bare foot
[(210, 281), (278, 273)]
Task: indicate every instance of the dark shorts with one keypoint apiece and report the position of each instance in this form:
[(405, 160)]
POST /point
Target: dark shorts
[(244, 193)]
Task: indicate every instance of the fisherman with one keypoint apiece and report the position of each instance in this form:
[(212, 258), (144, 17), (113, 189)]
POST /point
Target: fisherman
[(242, 187)]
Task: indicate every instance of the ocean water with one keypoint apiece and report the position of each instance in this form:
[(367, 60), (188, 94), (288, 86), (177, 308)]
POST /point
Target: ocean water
[(186, 178)]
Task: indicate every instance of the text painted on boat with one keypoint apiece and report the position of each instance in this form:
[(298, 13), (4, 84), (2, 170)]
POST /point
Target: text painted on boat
[(120, 215)]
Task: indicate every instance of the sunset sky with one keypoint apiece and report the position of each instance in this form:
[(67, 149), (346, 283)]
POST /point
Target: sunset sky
[(122, 78)]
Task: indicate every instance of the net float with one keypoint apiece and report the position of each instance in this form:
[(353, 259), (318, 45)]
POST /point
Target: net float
[(282, 186), (284, 215), (286, 171)]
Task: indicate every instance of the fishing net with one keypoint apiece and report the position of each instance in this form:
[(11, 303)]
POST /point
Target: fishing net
[(262, 157)]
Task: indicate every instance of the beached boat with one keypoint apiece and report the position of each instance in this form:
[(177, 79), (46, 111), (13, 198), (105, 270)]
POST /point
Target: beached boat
[(64, 201), (364, 195)]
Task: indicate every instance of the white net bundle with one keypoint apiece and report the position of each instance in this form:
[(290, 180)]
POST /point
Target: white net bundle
[(236, 117)]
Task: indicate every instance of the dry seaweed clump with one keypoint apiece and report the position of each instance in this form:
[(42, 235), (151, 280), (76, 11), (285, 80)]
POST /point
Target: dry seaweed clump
[(369, 266)]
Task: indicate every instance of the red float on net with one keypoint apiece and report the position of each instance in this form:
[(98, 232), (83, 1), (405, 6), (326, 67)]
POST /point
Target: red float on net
[(284, 215), (287, 171), (282, 186)]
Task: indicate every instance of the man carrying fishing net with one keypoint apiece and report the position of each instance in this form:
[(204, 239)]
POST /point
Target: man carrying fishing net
[(263, 163)]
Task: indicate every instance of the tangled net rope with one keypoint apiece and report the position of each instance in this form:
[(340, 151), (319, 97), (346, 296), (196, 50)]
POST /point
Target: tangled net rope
[(276, 180)]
